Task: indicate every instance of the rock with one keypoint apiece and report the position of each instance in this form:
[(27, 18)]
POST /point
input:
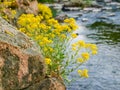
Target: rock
[(107, 1), (79, 14), (61, 17), (51, 84), (74, 8), (97, 10), (75, 17), (102, 17), (95, 4), (70, 8), (118, 7), (64, 8), (107, 8), (88, 9), (92, 9), (28, 6), (114, 3), (57, 7), (84, 19), (111, 14), (76, 1), (100, 0), (65, 0), (21, 64)]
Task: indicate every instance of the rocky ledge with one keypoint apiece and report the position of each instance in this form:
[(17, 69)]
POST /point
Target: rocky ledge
[(22, 66)]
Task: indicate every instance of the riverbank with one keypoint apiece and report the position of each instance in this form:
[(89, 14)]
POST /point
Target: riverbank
[(107, 12), (102, 27)]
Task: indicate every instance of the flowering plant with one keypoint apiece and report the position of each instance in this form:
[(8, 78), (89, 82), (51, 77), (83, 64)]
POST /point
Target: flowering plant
[(53, 37)]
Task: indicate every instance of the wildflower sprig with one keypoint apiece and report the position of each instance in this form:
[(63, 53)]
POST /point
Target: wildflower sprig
[(50, 35), (81, 54)]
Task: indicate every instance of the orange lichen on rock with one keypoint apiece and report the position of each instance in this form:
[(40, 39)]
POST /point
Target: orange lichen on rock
[(21, 63)]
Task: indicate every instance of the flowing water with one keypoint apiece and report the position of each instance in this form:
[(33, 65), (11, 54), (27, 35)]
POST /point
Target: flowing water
[(101, 27), (104, 68)]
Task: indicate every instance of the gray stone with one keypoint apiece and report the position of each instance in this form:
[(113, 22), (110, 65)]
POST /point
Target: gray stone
[(61, 17), (111, 14), (107, 8), (21, 63), (51, 84), (107, 1), (84, 19), (103, 17), (97, 10)]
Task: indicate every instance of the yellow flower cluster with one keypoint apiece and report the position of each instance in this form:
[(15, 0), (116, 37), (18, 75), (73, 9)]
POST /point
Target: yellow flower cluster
[(25, 19), (13, 13), (47, 60), (85, 55), (87, 49), (71, 22), (92, 47), (83, 73), (42, 31), (78, 44), (6, 3), (48, 33), (74, 35), (51, 36), (81, 44), (45, 11), (6, 12)]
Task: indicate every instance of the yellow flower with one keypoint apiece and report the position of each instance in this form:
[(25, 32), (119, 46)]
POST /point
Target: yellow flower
[(45, 49), (41, 43), (51, 49), (66, 28), (52, 35), (80, 60), (85, 55), (83, 73), (46, 40), (47, 60), (66, 20), (81, 43), (94, 52), (73, 26), (88, 45), (13, 13), (45, 11), (63, 36), (91, 46), (74, 44), (74, 35), (74, 48), (70, 20), (34, 26), (79, 72), (22, 30)]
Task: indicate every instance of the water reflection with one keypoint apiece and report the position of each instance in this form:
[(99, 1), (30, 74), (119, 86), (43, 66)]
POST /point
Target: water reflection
[(105, 33)]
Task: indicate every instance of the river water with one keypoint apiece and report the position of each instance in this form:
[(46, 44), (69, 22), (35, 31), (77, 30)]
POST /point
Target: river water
[(100, 26), (104, 68)]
